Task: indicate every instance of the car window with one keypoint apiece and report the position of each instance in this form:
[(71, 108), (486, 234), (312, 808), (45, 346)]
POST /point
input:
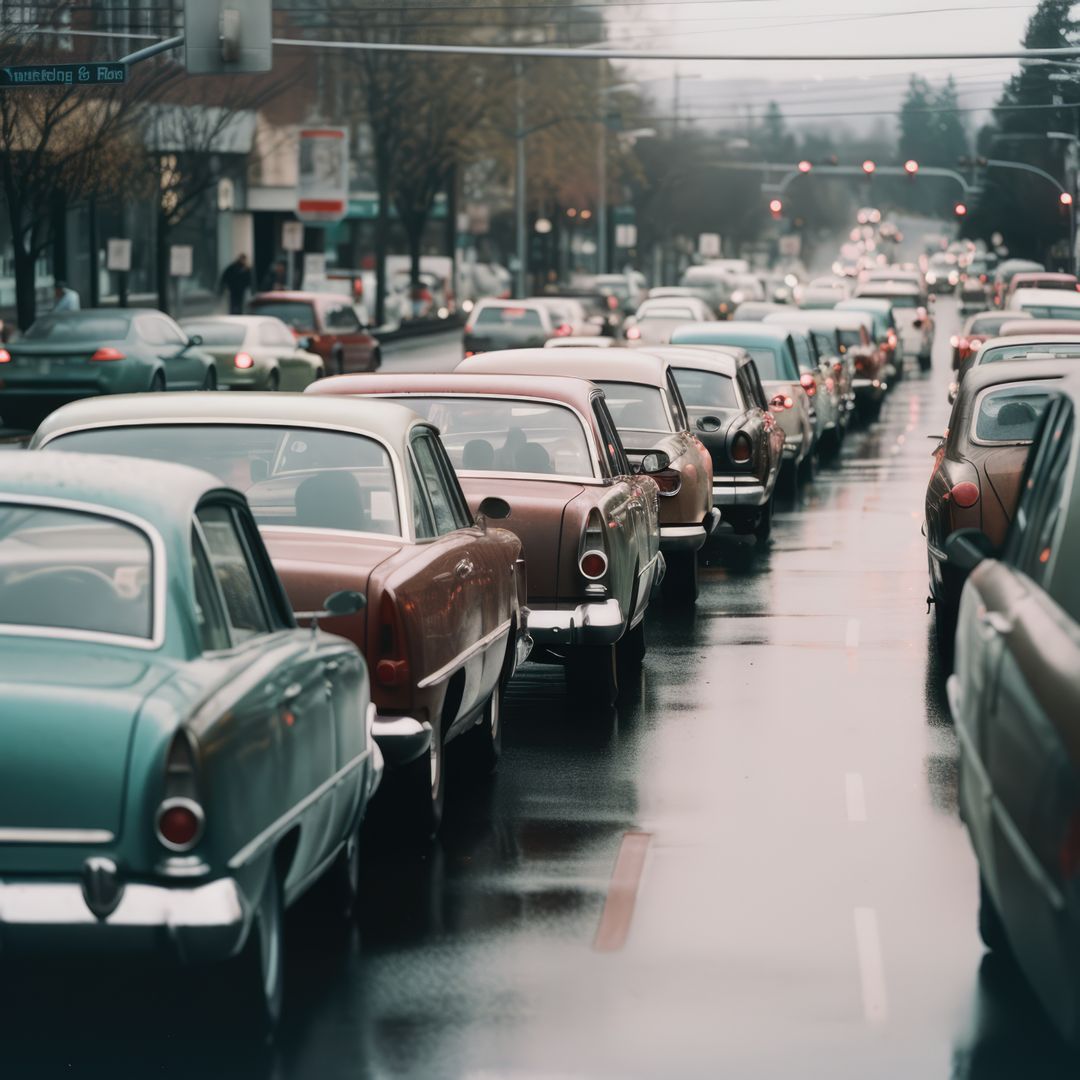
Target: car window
[(509, 316), (245, 605), (615, 455), (209, 614), (435, 486), (169, 333), (298, 314), (1028, 352), (826, 345), (803, 352), (72, 571), (706, 389), (341, 318), (1051, 311), (422, 519), (78, 326), (1009, 414), (228, 334), (635, 407), (680, 421)]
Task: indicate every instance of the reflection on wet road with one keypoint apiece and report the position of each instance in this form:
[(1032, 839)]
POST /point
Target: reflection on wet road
[(806, 902)]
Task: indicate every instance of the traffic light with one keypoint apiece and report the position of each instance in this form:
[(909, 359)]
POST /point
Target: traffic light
[(868, 167), (960, 209), (911, 166), (805, 166), (224, 37), (776, 208), (1065, 199)]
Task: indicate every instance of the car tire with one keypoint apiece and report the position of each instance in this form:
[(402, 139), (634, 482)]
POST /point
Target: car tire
[(763, 528), (256, 988), (946, 616), (681, 583), (338, 359), (420, 788), (925, 363), (273, 384), (157, 383), (631, 648), (991, 926), (210, 380), (484, 741), (592, 674)]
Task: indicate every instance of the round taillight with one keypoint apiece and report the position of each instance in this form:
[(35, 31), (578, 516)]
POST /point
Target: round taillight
[(633, 334), (179, 824), (808, 383), (5, 356), (593, 565), (741, 449), (789, 403), (243, 361), (965, 494)]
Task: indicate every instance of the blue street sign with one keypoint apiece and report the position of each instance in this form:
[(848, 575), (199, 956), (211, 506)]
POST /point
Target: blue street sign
[(62, 74)]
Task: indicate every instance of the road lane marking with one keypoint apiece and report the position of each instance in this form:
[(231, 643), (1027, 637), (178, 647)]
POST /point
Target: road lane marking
[(618, 913), (856, 797), (851, 636), (871, 967)]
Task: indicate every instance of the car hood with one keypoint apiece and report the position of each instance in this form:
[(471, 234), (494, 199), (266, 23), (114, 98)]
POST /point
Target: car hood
[(68, 715)]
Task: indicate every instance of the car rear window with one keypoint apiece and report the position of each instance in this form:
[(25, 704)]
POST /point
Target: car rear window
[(66, 570), (78, 327), (990, 324), (897, 300), (298, 314), (293, 476), (508, 316), (218, 333), (636, 407), (489, 434), (706, 389), (1051, 311), (1010, 414), (1029, 352)]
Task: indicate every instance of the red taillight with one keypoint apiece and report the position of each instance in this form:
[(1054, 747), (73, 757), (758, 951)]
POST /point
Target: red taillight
[(563, 330), (593, 565), (789, 403), (838, 368), (392, 668), (633, 333), (243, 361), (742, 448), (891, 339), (669, 481), (357, 288), (468, 353), (808, 383), (179, 824), (613, 303), (107, 353), (830, 385), (965, 494), (5, 356), (982, 278)]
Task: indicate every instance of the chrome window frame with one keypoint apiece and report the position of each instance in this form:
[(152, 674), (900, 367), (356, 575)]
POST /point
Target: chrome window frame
[(976, 408)]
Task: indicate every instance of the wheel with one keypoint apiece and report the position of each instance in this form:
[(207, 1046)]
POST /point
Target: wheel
[(592, 674), (256, 987), (946, 616), (339, 888), (338, 357), (991, 928), (485, 739), (681, 580), (420, 788), (924, 363), (788, 480), (631, 648), (320, 373), (157, 383), (274, 382), (763, 528), (210, 381)]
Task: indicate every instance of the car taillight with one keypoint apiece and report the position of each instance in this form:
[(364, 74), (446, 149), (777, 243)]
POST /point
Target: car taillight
[(107, 353), (613, 303), (357, 288), (593, 565), (392, 668), (891, 339), (965, 494), (593, 560), (830, 385), (633, 333), (838, 368), (808, 383), (179, 824), (669, 481), (954, 341), (982, 278), (243, 361), (563, 330), (742, 448), (5, 356)]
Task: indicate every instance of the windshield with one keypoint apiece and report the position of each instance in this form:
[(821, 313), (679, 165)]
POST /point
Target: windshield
[(635, 407), (76, 327), (217, 333), (73, 571), (1029, 352), (292, 476), (706, 389), (508, 316), (297, 314), (1010, 414), (503, 435), (990, 324)]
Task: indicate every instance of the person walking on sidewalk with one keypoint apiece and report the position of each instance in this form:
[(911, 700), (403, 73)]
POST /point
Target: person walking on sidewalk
[(236, 280)]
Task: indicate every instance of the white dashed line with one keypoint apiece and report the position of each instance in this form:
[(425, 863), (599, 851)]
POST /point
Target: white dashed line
[(871, 967), (856, 797)]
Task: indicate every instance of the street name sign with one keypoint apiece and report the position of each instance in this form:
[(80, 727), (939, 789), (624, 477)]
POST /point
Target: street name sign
[(62, 75), (118, 255), (181, 260)]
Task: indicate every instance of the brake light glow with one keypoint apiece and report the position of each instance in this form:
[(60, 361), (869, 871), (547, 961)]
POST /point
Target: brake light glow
[(742, 448), (891, 339), (243, 361), (563, 330), (633, 333), (5, 356), (613, 303), (965, 494), (107, 353), (808, 383), (954, 341)]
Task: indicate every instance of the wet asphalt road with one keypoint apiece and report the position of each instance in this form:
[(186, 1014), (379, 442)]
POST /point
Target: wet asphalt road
[(794, 895)]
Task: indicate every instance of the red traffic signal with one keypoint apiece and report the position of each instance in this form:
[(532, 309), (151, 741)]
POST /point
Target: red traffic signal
[(776, 207), (868, 167), (911, 166), (805, 166), (1066, 199), (960, 209)]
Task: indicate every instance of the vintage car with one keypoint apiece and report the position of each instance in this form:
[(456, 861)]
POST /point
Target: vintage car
[(979, 328), (914, 322), (869, 378), (773, 350), (78, 354), (512, 324), (323, 323), (181, 762), (729, 411), (654, 321), (978, 464), (884, 331), (651, 420), (541, 456), (1015, 701), (357, 496), (1016, 348)]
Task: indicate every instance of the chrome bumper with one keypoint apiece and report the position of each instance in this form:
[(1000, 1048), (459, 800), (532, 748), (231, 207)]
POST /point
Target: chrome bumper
[(203, 924), (737, 491), (598, 623), (676, 538), (401, 739)]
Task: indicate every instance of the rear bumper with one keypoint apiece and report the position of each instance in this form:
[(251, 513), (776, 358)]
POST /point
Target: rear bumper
[(733, 492), (400, 739), (201, 924), (600, 622), (869, 389), (679, 538)]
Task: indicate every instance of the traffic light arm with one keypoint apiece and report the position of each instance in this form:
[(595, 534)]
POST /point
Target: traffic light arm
[(993, 163), (879, 170)]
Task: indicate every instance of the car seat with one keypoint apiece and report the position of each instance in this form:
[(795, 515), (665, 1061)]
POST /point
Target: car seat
[(332, 500), (478, 454)]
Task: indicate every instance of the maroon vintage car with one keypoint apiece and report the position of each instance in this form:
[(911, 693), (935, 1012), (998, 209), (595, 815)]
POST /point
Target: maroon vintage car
[(356, 496), (323, 323), (542, 456), (649, 413)]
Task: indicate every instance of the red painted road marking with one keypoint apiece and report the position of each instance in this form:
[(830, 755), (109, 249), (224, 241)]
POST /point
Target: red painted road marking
[(614, 926)]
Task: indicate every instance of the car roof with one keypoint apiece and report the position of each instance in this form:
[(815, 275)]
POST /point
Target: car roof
[(532, 301), (1031, 340), (609, 365), (1044, 275), (865, 303), (237, 320), (1049, 297), (829, 319), (888, 288), (723, 359), (296, 295), (768, 333), (1038, 326), (390, 423), (1011, 371), (576, 392)]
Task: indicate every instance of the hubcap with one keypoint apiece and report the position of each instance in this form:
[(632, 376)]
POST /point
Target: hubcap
[(434, 766), (494, 707)]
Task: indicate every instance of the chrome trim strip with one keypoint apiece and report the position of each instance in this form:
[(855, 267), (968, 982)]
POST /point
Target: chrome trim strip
[(672, 532), (56, 836), (448, 669), (286, 819), (157, 569)]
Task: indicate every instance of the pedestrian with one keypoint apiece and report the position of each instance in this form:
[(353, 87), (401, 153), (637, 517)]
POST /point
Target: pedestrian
[(276, 277), (67, 299), (237, 279)]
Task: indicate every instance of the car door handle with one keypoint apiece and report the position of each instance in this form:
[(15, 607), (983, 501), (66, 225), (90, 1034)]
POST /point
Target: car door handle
[(995, 623), (332, 666), (464, 568), (292, 692)]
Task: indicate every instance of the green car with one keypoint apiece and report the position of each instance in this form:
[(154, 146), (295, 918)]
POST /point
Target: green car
[(78, 354), (180, 762)]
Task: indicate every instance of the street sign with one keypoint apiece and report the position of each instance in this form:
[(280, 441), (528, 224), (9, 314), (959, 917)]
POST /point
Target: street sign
[(626, 236), (227, 36), (323, 186), (292, 236), (62, 75), (118, 255), (314, 265), (181, 260), (709, 245)]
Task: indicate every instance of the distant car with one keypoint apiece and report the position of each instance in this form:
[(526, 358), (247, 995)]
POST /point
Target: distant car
[(895, 275), (88, 353), (756, 310), (357, 496), (824, 389), (729, 410), (816, 297), (1046, 303), (512, 324), (255, 353), (978, 328), (357, 286), (323, 323), (569, 311), (1005, 271), (600, 312), (914, 322), (655, 320), (748, 287), (644, 400), (1014, 700), (1020, 323), (867, 371), (1015, 348), (181, 762), (885, 330), (942, 273), (715, 283), (626, 288), (540, 456), (1041, 280), (978, 464)]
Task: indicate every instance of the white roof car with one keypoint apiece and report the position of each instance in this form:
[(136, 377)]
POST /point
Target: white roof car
[(1047, 303)]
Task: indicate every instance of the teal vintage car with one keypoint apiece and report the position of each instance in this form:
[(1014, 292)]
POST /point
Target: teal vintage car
[(180, 761)]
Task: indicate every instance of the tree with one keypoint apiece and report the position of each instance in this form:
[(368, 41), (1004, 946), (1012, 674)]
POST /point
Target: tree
[(773, 139)]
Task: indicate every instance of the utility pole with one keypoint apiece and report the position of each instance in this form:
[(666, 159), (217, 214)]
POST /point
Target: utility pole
[(521, 230), (601, 181)]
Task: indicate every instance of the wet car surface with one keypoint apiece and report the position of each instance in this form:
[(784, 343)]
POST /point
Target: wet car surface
[(754, 867)]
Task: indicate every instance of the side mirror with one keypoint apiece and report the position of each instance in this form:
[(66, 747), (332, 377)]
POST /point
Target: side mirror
[(259, 470), (194, 341), (345, 602), (494, 508), (967, 548), (654, 461), (709, 423), (303, 343)]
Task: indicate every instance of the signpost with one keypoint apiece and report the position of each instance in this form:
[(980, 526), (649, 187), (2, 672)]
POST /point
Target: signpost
[(181, 265), (39, 75), (709, 245), (626, 236), (118, 261), (323, 187)]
